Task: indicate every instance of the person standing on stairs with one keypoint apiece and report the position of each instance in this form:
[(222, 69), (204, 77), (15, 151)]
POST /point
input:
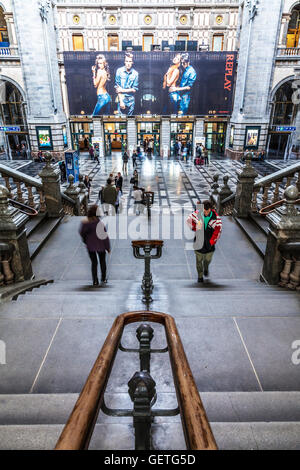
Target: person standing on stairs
[(95, 237), (211, 223)]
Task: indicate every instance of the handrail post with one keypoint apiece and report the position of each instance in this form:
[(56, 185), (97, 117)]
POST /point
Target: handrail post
[(73, 192), (147, 246), (144, 335), (13, 232), (51, 187), (244, 189), (141, 389)]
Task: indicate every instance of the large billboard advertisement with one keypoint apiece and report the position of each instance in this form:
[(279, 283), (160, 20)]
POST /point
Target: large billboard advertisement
[(139, 83)]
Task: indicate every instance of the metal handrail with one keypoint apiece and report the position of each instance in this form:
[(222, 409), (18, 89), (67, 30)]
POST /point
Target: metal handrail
[(23, 207), (77, 432), (274, 205)]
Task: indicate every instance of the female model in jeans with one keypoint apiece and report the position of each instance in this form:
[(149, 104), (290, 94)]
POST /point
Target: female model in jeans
[(170, 80), (100, 76), (93, 234)]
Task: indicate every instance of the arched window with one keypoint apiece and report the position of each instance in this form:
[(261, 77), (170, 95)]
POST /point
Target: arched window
[(293, 35), (11, 104), (284, 110), (4, 40)]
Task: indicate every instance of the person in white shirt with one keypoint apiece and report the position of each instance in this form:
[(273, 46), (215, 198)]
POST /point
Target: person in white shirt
[(138, 197)]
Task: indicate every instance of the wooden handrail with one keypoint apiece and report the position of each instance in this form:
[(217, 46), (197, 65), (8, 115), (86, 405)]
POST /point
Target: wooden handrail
[(77, 432), (140, 243)]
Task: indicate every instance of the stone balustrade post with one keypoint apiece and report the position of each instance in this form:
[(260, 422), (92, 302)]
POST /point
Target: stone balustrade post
[(284, 227), (85, 193), (73, 192), (12, 232), (51, 187), (244, 189)]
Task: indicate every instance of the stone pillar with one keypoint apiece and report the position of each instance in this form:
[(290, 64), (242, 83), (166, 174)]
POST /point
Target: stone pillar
[(12, 231), (51, 187), (131, 134), (244, 189), (165, 136), (73, 193), (284, 227), (99, 134), (198, 133)]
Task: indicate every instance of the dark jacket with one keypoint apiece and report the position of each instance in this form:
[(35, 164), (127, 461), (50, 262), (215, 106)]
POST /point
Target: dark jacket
[(119, 182), (91, 232), (109, 194)]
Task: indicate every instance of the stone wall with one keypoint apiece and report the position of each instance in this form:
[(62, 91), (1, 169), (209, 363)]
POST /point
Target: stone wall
[(255, 70), (38, 53)]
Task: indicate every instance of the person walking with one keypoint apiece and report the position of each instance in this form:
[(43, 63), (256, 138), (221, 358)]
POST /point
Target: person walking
[(119, 181), (92, 153), (135, 178), (134, 157), (125, 159), (205, 154), (97, 246), (88, 185), (109, 195), (211, 223), (138, 197), (118, 200)]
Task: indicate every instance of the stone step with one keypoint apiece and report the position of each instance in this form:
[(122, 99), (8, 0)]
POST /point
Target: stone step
[(254, 234), (221, 286), (261, 223), (228, 436), (239, 407), (33, 223), (40, 235)]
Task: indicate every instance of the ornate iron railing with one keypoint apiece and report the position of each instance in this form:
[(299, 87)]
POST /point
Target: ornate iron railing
[(77, 432)]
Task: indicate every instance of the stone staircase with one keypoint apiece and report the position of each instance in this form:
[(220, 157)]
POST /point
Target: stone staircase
[(241, 416), (239, 420)]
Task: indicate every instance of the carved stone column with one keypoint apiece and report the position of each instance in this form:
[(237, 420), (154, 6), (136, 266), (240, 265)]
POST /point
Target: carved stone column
[(12, 232), (73, 192), (244, 189), (51, 188), (284, 228)]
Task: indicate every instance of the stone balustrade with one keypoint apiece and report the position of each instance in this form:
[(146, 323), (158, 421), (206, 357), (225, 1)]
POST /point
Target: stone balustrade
[(270, 189), (45, 195), (24, 189)]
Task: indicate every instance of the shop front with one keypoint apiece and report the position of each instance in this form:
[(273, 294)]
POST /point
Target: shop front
[(215, 135), (148, 136), (181, 132), (115, 137), (81, 134)]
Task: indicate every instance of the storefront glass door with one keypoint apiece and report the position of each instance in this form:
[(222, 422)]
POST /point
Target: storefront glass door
[(215, 133), (149, 134), (115, 137), (82, 133), (181, 132)]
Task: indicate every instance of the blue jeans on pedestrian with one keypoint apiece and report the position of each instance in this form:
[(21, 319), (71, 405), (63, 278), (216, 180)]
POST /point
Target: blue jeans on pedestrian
[(185, 102), (103, 104)]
